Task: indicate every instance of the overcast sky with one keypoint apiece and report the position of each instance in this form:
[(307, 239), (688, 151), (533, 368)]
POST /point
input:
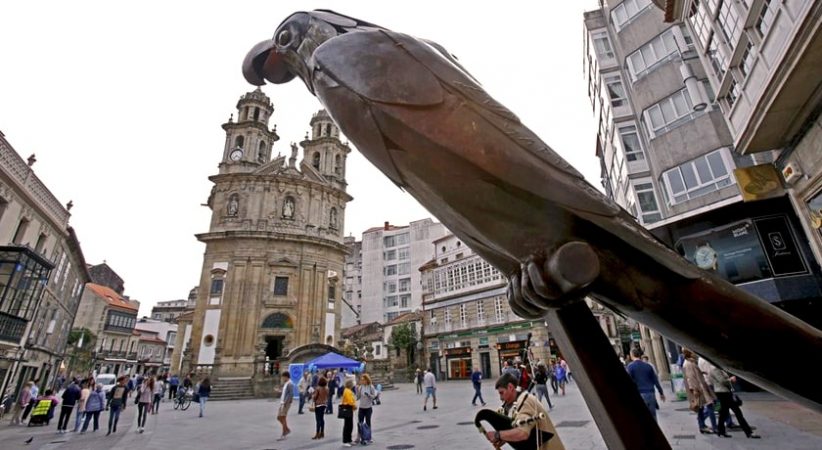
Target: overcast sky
[(122, 104)]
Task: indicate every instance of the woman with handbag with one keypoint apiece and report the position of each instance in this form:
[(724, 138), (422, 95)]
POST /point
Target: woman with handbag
[(318, 402), (346, 411), (144, 398), (700, 397), (727, 400)]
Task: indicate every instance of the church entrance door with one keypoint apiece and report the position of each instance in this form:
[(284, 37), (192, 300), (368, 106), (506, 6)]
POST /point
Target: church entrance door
[(273, 351)]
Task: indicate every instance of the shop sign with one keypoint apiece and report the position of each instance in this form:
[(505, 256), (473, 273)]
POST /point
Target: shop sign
[(511, 345), (459, 351), (780, 247)]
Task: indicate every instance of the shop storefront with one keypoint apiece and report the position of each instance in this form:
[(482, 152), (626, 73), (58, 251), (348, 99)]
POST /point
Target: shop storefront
[(458, 362), (511, 350)]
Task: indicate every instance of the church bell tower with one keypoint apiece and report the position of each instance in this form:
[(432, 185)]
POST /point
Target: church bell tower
[(248, 141)]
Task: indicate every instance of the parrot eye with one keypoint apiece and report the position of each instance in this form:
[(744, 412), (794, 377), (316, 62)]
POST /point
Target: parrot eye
[(284, 37)]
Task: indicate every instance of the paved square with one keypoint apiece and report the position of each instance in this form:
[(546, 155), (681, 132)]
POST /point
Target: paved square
[(400, 423)]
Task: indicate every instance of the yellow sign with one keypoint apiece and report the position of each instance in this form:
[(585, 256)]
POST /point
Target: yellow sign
[(758, 182)]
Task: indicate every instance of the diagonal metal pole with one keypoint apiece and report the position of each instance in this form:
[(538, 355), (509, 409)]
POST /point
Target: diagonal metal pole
[(611, 395)]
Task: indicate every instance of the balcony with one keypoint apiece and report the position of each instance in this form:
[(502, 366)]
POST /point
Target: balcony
[(457, 325), (115, 354), (11, 327)]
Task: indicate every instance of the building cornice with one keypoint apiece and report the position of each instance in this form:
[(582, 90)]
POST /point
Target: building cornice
[(280, 178), (272, 236)]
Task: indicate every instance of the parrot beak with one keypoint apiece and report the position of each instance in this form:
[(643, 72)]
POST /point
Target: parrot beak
[(263, 63)]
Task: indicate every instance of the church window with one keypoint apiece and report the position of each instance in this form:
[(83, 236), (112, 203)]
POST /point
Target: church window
[(328, 130), (239, 141), (280, 285), (216, 287), (332, 292), (338, 165), (256, 114), (261, 151), (315, 160), (277, 320)]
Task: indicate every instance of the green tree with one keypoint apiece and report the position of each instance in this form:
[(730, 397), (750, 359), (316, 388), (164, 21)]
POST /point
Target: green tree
[(80, 346), (404, 337)]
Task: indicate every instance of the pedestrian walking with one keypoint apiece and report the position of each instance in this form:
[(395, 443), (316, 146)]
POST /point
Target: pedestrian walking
[(145, 396), (541, 384), (560, 374), (118, 398), (366, 393), (302, 390), (332, 389), (476, 381), (564, 365), (173, 383), (70, 398), (159, 390), (430, 383), (286, 397), (700, 398), (646, 380), (552, 368), (346, 411), (35, 392), (24, 399), (203, 392), (320, 398), (508, 367), (723, 386), (95, 403), (85, 390), (418, 380)]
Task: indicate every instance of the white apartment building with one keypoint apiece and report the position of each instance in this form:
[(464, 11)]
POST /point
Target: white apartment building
[(352, 284), (763, 60), (391, 258), (671, 152)]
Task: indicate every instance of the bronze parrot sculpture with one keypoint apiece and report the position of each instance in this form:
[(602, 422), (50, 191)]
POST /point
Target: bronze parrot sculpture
[(412, 109)]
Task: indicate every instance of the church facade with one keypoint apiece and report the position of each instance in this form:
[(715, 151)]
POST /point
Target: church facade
[(271, 281)]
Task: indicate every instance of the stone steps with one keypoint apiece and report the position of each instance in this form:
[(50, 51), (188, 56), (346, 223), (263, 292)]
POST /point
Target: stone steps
[(232, 389)]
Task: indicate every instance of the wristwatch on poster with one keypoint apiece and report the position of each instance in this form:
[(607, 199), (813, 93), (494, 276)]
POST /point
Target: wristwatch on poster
[(705, 257)]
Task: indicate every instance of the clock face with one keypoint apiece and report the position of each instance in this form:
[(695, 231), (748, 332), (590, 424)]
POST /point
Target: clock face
[(236, 155), (705, 257)]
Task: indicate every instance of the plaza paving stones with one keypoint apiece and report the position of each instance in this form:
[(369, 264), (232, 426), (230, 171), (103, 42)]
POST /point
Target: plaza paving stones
[(400, 423)]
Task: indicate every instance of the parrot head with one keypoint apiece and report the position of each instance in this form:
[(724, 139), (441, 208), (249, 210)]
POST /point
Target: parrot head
[(290, 52)]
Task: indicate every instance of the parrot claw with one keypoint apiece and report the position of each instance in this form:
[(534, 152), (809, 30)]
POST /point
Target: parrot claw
[(552, 281)]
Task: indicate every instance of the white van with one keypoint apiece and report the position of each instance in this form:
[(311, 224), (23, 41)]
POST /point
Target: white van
[(107, 380)]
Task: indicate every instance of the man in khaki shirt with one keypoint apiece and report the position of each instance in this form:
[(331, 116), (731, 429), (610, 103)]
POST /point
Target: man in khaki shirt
[(521, 406)]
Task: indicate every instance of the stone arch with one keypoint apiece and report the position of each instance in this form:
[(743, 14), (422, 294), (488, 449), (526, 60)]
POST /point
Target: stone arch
[(277, 320), (308, 352)]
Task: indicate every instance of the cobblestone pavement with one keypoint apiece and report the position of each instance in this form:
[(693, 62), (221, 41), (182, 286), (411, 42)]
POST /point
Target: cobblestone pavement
[(400, 423)]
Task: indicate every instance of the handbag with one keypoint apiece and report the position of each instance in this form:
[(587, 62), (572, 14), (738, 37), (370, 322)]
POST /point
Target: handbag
[(312, 407), (345, 412), (737, 400), (694, 403)]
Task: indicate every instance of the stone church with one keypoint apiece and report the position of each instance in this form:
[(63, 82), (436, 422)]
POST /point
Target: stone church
[(271, 281)]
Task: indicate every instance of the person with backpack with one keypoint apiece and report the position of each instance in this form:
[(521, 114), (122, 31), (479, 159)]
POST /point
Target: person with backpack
[(118, 398), (541, 377), (95, 403)]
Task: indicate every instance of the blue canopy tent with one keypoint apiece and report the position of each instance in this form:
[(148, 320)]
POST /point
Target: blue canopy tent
[(333, 360)]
